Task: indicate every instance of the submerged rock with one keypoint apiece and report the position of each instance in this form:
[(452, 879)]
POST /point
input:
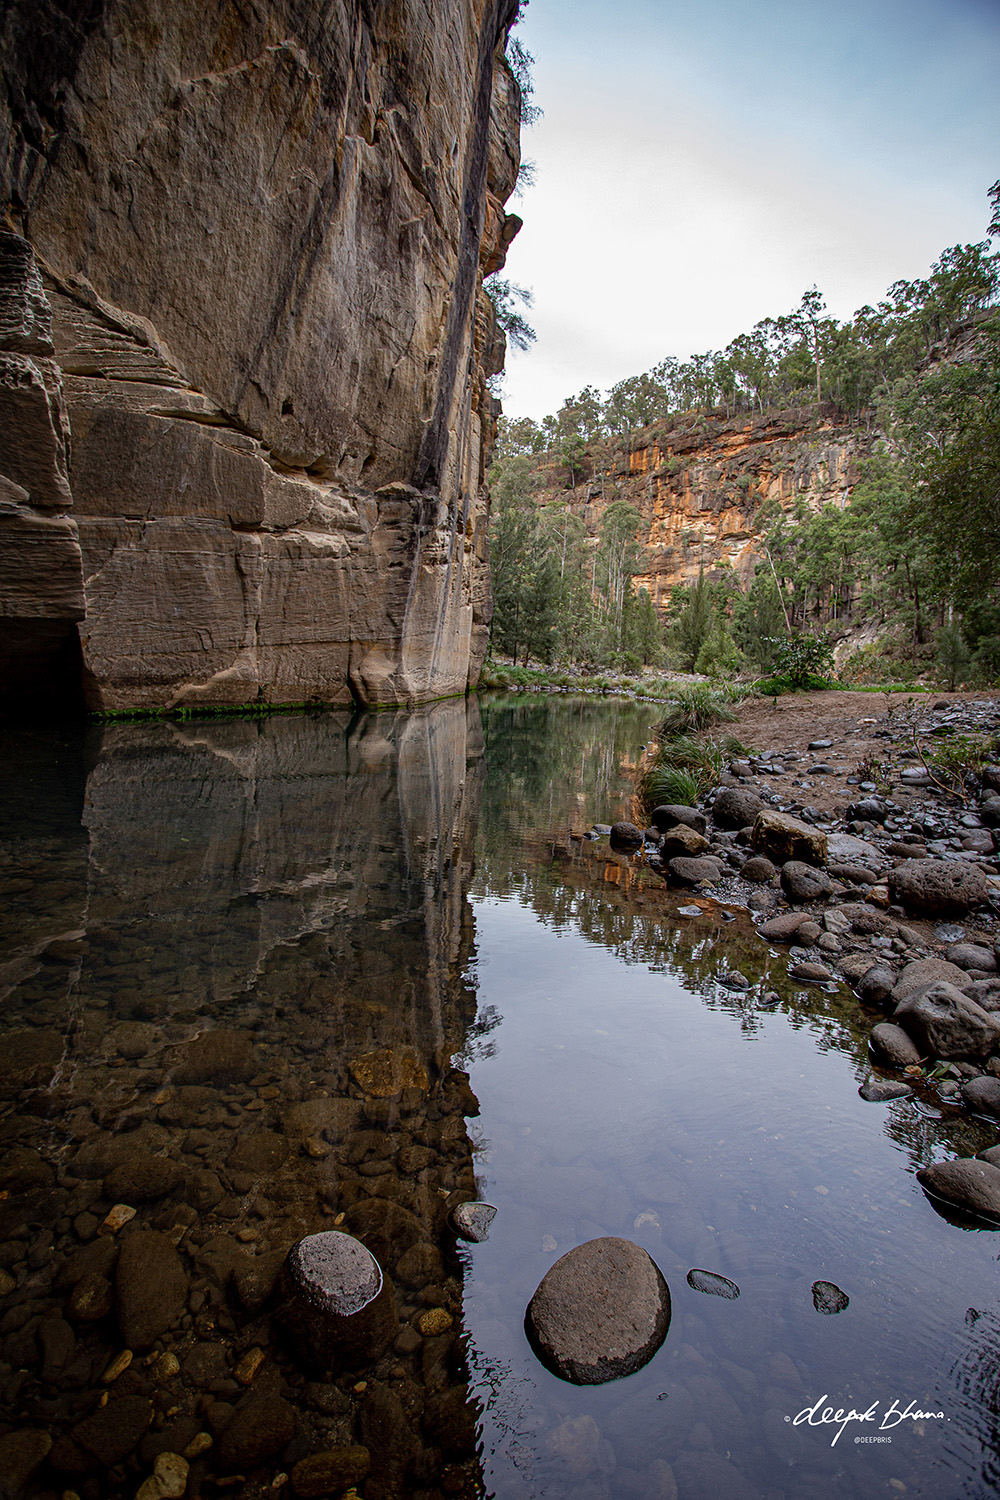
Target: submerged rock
[(339, 1309), (601, 1312), (151, 1287), (713, 1284), (881, 1090), (828, 1298)]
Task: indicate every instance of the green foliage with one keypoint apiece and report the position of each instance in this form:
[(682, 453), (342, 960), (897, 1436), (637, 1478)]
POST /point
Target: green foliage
[(986, 661), (669, 784), (695, 615), (953, 655), (959, 758), (719, 655), (686, 766), (505, 295), (804, 659), (695, 709), (759, 622)]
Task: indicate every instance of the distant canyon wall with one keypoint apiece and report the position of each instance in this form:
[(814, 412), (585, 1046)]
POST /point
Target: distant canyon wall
[(244, 346), (700, 481)]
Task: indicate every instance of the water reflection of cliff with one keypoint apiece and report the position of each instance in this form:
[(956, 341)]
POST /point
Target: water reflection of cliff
[(234, 992)]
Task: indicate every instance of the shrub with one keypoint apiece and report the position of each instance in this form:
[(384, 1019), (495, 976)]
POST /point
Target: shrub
[(696, 708), (953, 656), (669, 784), (804, 660)]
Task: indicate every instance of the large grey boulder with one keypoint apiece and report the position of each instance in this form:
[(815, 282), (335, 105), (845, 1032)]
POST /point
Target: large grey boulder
[(938, 887), (736, 807), (673, 814), (782, 837), (601, 1312), (923, 971), (945, 1023)]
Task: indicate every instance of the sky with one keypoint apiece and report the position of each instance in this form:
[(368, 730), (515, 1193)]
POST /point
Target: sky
[(702, 163)]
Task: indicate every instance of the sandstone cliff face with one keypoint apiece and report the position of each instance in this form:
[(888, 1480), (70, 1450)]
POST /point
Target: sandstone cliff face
[(247, 346), (699, 483)]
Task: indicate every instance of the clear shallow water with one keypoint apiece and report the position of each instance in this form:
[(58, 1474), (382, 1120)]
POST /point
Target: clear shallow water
[(322, 889)]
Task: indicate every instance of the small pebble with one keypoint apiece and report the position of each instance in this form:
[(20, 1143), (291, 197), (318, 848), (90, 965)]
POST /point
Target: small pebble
[(117, 1367), (436, 1320)]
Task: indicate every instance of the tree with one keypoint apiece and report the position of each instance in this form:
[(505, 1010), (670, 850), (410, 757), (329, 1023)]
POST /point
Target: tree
[(695, 615), (505, 295)]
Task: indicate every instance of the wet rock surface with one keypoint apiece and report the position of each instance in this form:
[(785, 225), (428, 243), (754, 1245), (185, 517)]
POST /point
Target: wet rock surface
[(600, 1313)]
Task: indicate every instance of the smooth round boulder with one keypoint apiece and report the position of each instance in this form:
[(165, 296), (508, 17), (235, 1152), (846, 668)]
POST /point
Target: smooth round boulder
[(625, 836), (337, 1306), (736, 807), (671, 814), (601, 1312), (704, 870), (972, 956), (982, 1096), (758, 870), (965, 1184), (891, 1046), (938, 887), (876, 984), (802, 882)]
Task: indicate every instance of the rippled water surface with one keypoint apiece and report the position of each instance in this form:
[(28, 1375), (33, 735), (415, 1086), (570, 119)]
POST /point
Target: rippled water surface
[(246, 969)]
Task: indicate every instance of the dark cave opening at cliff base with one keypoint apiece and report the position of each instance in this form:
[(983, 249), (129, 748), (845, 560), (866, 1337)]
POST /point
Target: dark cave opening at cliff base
[(41, 670)]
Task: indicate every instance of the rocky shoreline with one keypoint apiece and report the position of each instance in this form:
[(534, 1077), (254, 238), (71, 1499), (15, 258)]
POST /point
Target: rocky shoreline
[(894, 892)]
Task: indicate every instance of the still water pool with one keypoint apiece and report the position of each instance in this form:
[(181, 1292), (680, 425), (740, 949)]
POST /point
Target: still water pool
[(246, 969)]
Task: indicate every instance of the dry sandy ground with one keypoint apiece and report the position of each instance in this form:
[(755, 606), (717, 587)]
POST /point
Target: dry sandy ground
[(848, 719)]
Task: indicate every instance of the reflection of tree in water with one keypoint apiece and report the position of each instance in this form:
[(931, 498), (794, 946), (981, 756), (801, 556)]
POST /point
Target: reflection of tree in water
[(479, 1042), (509, 1402), (556, 762)]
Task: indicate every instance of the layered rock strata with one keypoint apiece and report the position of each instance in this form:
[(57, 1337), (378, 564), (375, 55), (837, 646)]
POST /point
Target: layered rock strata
[(246, 348), (700, 481)]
